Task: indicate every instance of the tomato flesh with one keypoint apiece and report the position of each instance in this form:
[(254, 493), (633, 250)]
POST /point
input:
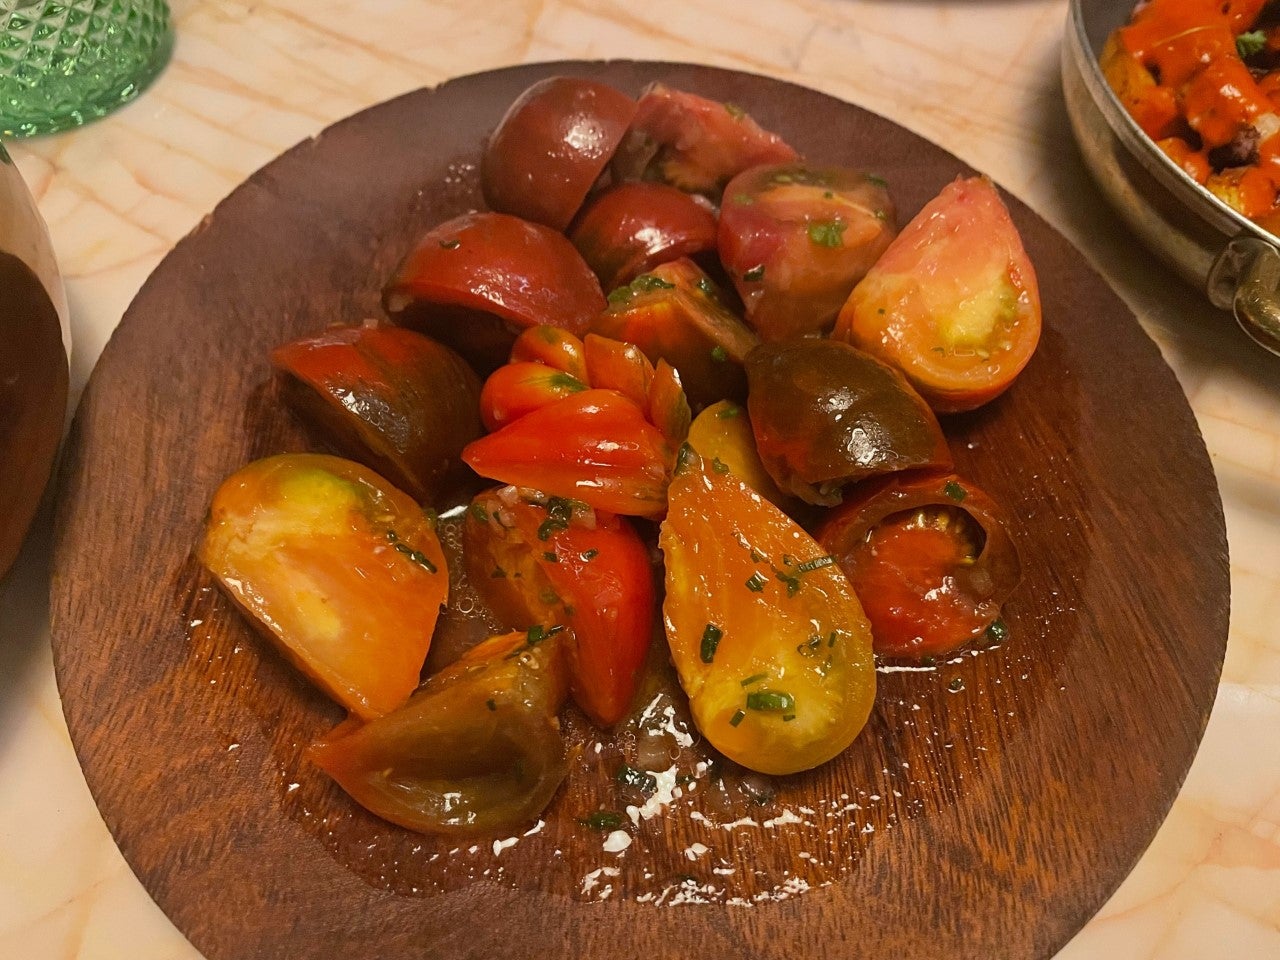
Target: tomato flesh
[(341, 570), (953, 302), (558, 564), (765, 631)]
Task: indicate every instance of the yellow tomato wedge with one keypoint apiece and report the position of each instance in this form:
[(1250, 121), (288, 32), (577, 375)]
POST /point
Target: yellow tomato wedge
[(337, 567), (722, 432), (768, 637)]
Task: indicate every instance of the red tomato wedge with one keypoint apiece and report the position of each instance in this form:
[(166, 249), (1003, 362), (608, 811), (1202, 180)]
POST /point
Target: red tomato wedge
[(395, 400), (931, 557), (953, 302), (521, 387), (694, 143), (550, 147), (476, 281), (476, 750), (341, 570), (796, 238), (558, 564), (595, 446), (631, 228)]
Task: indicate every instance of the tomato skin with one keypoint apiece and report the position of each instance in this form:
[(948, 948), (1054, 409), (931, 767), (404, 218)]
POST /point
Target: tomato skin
[(694, 143), (632, 227), (953, 302), (521, 387), (476, 750), (392, 399), (825, 415), (303, 544), (549, 148), (476, 281), (554, 346), (599, 587), (595, 446), (921, 590), (676, 313), (722, 433), (766, 633), (796, 239)]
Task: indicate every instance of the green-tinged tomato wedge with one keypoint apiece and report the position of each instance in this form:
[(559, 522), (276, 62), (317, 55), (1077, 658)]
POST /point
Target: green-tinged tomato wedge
[(767, 635), (343, 572), (476, 750)]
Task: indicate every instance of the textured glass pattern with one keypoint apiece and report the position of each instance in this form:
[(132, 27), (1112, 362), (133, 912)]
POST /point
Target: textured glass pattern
[(63, 63)]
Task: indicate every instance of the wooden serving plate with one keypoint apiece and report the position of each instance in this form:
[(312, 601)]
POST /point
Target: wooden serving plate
[(991, 805)]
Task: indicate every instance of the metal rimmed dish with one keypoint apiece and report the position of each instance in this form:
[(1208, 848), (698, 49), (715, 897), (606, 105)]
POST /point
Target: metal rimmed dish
[(1235, 261)]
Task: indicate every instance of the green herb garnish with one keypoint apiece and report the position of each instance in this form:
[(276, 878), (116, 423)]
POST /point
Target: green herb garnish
[(602, 820), (1247, 44), (711, 635), (998, 632), (736, 718), (629, 776), (770, 701), (566, 381), (559, 513), (954, 491), (756, 583), (754, 678), (450, 244), (719, 466), (718, 354), (827, 233), (729, 412)]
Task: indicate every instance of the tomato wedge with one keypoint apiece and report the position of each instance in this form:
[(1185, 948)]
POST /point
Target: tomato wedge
[(694, 143), (825, 415), (552, 144), (953, 302), (632, 227), (931, 557), (476, 281), (795, 238), (343, 572), (596, 446), (765, 631), (395, 400), (559, 564), (521, 387), (476, 750)]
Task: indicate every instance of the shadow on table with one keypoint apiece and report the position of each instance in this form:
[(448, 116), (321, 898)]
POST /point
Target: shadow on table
[(24, 618)]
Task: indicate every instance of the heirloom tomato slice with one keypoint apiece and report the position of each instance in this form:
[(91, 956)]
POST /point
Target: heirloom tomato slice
[(796, 238), (521, 387), (632, 227), (340, 569), (825, 415), (694, 143), (550, 147), (929, 554), (596, 446), (558, 564), (393, 399), (676, 313), (953, 303), (476, 750), (765, 631), (476, 281)]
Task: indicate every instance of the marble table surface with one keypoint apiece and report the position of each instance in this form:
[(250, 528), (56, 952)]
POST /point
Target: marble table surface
[(979, 77)]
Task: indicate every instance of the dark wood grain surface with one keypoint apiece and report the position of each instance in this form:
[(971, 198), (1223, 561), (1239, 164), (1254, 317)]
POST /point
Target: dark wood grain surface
[(989, 808)]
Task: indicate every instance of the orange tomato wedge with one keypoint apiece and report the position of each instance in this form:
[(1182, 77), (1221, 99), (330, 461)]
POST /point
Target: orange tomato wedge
[(766, 633), (953, 303), (343, 572)]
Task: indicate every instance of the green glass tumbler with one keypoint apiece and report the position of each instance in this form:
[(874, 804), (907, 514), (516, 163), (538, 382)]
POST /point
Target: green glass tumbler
[(65, 62)]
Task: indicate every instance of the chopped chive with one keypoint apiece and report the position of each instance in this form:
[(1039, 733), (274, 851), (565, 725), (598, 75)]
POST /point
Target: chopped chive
[(719, 466), (711, 635), (827, 233), (450, 244), (550, 557), (755, 274), (684, 458), (549, 596), (416, 556), (998, 632), (559, 513), (707, 287), (954, 491), (754, 678), (736, 718), (588, 555), (756, 583), (647, 282), (602, 820), (479, 512), (881, 215), (878, 181), (729, 412), (718, 354), (790, 579), (566, 381), (770, 700), (743, 199), (498, 574), (788, 717), (735, 111), (491, 704), (956, 685), (817, 563), (1247, 44)]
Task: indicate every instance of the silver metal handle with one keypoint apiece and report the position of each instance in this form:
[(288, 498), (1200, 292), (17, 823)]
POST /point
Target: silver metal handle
[(1245, 279)]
